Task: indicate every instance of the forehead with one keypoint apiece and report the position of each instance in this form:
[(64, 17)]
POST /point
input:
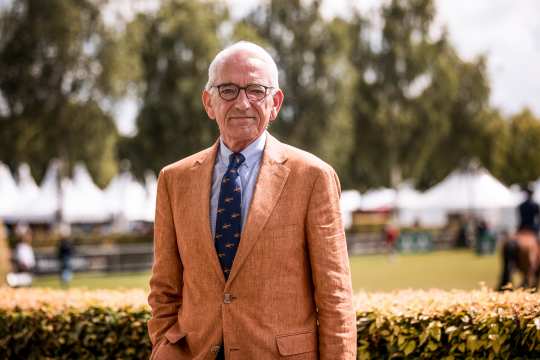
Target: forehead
[(244, 68)]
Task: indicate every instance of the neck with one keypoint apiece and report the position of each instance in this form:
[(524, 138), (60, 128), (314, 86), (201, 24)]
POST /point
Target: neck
[(236, 146)]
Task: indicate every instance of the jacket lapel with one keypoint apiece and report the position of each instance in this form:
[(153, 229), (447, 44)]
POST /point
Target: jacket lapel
[(270, 183), (201, 185)]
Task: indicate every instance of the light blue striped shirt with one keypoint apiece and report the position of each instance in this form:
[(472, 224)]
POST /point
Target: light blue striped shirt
[(248, 171)]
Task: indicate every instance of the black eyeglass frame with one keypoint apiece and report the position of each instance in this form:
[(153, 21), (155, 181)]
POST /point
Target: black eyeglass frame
[(266, 88)]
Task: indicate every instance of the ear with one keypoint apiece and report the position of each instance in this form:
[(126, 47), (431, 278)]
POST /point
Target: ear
[(207, 103), (277, 100)]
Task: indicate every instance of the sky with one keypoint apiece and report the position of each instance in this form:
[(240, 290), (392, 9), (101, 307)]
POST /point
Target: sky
[(508, 33)]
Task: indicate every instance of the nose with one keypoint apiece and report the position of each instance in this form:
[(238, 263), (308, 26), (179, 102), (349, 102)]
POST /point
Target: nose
[(242, 101)]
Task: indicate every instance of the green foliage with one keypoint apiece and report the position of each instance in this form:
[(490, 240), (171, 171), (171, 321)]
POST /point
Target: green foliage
[(179, 43), (391, 120), (50, 61), (435, 324), (452, 335), (413, 96), (466, 119), (89, 333), (523, 160)]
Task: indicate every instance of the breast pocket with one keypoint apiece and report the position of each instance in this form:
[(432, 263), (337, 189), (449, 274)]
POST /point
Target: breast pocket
[(282, 231)]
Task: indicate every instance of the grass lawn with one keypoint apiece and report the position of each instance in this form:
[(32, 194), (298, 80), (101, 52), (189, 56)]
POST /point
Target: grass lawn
[(444, 270)]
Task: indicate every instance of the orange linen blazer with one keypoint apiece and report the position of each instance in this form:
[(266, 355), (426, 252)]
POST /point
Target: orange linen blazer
[(289, 292)]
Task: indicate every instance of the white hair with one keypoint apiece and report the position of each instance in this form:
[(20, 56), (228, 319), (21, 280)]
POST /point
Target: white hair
[(237, 47)]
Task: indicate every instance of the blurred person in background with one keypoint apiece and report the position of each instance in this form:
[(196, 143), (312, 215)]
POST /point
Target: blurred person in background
[(391, 234), (463, 238), (484, 237), (250, 257), (24, 260), (529, 213), (64, 254)]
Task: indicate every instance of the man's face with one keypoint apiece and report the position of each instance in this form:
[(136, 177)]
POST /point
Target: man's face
[(241, 120)]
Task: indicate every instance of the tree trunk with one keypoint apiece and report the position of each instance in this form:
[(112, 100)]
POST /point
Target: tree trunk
[(4, 255)]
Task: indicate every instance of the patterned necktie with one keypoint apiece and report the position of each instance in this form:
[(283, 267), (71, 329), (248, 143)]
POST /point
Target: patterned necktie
[(229, 215)]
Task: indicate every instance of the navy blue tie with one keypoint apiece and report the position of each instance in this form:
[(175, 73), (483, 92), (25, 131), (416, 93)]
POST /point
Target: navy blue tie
[(229, 215)]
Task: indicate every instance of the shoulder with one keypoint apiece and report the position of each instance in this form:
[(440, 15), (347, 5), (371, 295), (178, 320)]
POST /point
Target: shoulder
[(299, 160), (303, 166), (181, 166)]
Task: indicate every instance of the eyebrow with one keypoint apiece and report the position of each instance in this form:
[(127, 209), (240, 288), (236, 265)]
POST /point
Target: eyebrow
[(251, 83)]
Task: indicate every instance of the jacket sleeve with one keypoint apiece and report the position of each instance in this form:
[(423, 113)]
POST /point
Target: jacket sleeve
[(165, 296), (330, 270)]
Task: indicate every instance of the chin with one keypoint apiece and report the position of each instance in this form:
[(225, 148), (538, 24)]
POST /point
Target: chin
[(242, 137), (245, 133)]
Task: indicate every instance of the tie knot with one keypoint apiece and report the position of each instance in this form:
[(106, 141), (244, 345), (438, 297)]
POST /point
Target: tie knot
[(235, 160)]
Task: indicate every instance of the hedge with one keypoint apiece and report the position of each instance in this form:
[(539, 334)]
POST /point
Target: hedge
[(435, 324), (75, 324)]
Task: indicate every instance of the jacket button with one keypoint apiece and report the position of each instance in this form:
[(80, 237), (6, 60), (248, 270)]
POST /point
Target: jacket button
[(215, 349), (227, 298)]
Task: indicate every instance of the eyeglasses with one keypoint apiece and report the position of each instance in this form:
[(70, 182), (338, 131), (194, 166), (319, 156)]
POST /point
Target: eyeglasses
[(254, 92)]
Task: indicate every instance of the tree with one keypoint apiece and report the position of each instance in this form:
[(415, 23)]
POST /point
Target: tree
[(467, 121), (179, 43), (5, 261), (418, 105), (51, 100), (523, 160), (394, 122), (314, 75)]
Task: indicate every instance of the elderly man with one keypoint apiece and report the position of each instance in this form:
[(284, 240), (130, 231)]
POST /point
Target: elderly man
[(250, 253)]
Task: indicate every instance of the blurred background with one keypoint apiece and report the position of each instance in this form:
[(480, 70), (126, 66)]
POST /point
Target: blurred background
[(428, 110)]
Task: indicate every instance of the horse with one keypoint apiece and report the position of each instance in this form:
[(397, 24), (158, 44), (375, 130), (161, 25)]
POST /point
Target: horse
[(521, 252)]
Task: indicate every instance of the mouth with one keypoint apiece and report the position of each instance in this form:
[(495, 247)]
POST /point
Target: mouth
[(241, 120), (241, 117)]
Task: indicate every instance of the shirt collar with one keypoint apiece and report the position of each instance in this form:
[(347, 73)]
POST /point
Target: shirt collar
[(252, 152)]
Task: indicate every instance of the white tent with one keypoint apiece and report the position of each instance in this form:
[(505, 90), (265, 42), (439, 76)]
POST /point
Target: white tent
[(469, 190), (408, 197), (475, 191), (151, 194), (128, 200), (384, 198), (409, 204), (33, 205), (535, 188), (82, 200), (9, 192), (48, 200), (406, 200), (378, 199), (349, 202)]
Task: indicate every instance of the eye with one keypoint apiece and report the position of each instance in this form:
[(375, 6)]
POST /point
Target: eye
[(256, 90), (228, 90)]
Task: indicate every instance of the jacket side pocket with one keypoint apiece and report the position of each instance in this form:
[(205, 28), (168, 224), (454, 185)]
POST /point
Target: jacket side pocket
[(298, 343)]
